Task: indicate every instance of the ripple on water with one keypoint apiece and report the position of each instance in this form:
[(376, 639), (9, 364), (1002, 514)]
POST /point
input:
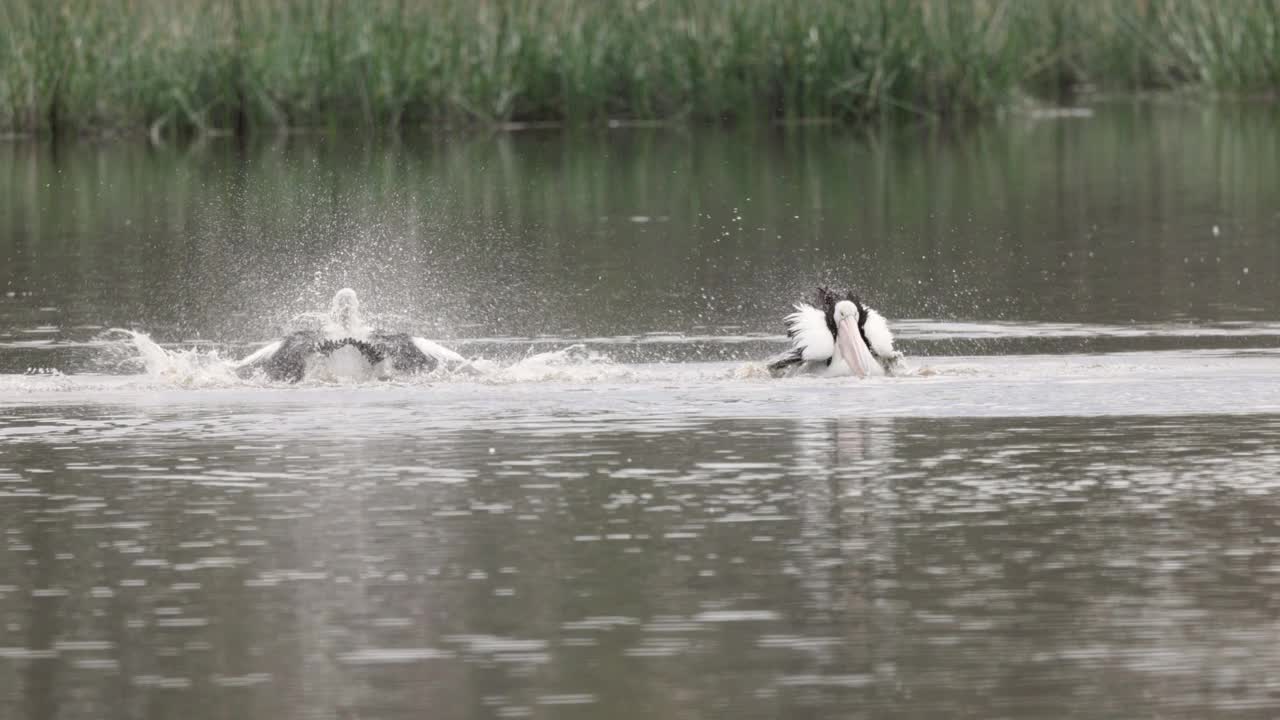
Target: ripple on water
[(829, 559), (393, 656)]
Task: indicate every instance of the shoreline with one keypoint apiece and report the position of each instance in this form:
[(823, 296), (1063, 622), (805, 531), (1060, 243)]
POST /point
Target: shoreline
[(1030, 111), (177, 70)]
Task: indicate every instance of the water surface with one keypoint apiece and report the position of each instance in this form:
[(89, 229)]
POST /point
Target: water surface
[(1069, 506)]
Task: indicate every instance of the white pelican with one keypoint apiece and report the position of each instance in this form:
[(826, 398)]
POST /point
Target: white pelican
[(347, 347), (837, 336)]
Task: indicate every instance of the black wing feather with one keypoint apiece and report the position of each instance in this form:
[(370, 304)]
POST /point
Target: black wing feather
[(790, 359), (289, 363), (405, 356)]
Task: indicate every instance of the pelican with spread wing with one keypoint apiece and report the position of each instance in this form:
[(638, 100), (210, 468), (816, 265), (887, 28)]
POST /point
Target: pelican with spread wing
[(346, 347), (837, 335)]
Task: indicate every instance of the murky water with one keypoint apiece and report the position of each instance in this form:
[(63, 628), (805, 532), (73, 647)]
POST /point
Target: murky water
[(1069, 507)]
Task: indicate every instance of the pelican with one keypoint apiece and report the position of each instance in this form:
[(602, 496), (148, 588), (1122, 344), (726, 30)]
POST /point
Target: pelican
[(347, 347), (837, 336)]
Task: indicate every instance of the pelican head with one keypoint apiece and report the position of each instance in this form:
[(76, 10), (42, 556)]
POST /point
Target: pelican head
[(849, 343), (344, 313)]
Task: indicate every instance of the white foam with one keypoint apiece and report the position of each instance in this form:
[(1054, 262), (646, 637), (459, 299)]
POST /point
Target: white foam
[(572, 364), (182, 368)]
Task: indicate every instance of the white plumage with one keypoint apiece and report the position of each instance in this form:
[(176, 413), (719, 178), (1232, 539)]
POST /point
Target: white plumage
[(807, 327), (435, 350), (262, 353), (838, 336), (879, 337)]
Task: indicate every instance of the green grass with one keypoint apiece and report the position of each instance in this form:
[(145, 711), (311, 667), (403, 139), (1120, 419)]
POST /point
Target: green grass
[(180, 66)]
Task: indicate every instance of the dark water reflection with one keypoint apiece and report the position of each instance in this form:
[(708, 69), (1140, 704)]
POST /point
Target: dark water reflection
[(1147, 213), (1096, 567)]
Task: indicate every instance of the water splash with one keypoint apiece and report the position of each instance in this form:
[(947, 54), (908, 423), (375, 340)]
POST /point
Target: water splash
[(573, 364), (345, 319), (135, 355), (191, 367)]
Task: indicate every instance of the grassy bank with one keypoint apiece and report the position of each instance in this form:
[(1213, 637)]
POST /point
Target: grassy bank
[(173, 66)]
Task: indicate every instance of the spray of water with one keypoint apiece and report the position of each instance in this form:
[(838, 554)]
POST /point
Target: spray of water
[(191, 367), (135, 355)]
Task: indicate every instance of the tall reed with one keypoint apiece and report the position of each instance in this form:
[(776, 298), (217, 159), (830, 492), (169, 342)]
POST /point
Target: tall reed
[(236, 65)]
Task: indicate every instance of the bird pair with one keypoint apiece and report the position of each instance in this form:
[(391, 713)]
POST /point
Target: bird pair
[(837, 335)]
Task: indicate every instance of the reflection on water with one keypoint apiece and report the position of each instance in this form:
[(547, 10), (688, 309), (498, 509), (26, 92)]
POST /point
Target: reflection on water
[(1144, 213), (893, 567)]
